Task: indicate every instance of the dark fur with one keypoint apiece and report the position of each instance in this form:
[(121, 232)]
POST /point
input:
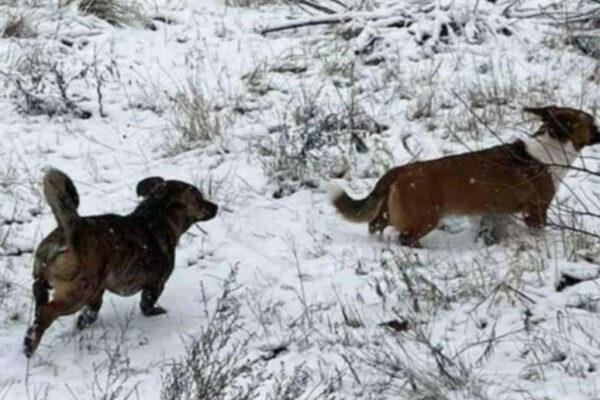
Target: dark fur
[(85, 256)]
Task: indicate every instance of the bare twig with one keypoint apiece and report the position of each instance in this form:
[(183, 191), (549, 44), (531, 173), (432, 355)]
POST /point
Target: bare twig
[(336, 19), (338, 2), (311, 4), (99, 81), (573, 229), (347, 361)]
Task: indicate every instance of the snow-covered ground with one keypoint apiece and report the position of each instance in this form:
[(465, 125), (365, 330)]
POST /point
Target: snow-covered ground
[(281, 295)]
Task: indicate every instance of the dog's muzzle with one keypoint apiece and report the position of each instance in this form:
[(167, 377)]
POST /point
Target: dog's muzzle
[(210, 211), (595, 139)]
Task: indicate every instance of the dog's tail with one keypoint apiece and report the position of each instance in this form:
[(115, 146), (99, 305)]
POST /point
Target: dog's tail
[(362, 210), (62, 197)]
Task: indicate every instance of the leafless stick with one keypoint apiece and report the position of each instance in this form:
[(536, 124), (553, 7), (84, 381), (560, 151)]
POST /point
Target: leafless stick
[(338, 2), (316, 6), (356, 378), (98, 86), (300, 24), (573, 229), (333, 19)]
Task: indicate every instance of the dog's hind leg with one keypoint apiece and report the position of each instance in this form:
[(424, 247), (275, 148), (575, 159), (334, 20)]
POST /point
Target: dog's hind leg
[(150, 295), (90, 314), (44, 316), (493, 228), (41, 288), (380, 222), (413, 231)]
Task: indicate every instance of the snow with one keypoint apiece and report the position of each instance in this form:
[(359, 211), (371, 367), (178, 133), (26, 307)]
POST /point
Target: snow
[(333, 191), (306, 279)]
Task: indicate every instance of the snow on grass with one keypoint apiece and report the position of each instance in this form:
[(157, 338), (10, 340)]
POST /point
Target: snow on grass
[(316, 308)]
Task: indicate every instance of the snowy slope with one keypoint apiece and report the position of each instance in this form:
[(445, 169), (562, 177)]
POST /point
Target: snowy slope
[(472, 321)]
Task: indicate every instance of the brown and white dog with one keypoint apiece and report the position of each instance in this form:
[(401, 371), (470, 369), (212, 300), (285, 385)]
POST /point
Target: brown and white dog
[(520, 177), (85, 256)]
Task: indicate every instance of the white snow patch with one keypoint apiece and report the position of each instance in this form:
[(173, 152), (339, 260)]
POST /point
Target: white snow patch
[(333, 190)]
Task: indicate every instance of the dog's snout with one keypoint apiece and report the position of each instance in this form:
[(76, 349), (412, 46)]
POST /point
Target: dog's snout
[(214, 209), (595, 135), (210, 211)]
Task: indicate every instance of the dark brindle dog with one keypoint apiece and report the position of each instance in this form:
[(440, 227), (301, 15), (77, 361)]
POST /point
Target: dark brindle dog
[(85, 256)]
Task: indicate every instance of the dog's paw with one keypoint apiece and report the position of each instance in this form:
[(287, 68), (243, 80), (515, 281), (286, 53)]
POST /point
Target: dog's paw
[(156, 310), (28, 346), (86, 318)]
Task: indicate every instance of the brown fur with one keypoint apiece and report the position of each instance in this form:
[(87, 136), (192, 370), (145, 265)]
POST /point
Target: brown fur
[(505, 179), (85, 256)]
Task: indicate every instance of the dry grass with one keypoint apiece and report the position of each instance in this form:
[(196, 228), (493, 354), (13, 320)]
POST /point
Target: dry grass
[(217, 364), (17, 25), (115, 12), (193, 118)]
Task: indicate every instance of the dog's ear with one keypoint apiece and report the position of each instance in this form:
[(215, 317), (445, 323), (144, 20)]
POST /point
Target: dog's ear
[(154, 186), (558, 117), (560, 120), (546, 113)]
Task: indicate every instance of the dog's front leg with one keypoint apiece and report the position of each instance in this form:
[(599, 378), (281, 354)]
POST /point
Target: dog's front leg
[(535, 216), (150, 295), (410, 240), (90, 314)]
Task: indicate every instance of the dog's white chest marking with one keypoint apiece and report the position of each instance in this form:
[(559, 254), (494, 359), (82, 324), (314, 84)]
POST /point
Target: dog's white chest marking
[(559, 156)]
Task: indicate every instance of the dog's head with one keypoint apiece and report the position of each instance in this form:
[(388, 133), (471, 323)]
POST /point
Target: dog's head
[(568, 124), (178, 196)]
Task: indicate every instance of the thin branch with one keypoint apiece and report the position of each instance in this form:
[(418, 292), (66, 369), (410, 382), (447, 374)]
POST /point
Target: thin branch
[(316, 6), (339, 3), (333, 19), (573, 229)]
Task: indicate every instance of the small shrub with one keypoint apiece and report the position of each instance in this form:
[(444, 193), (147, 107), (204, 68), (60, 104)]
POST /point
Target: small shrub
[(113, 377), (291, 387), (6, 286), (316, 146), (193, 118), (215, 365), (115, 12), (16, 26), (41, 86)]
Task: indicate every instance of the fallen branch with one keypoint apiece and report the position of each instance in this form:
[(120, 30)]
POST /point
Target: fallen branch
[(556, 16), (300, 24), (334, 19), (316, 6)]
